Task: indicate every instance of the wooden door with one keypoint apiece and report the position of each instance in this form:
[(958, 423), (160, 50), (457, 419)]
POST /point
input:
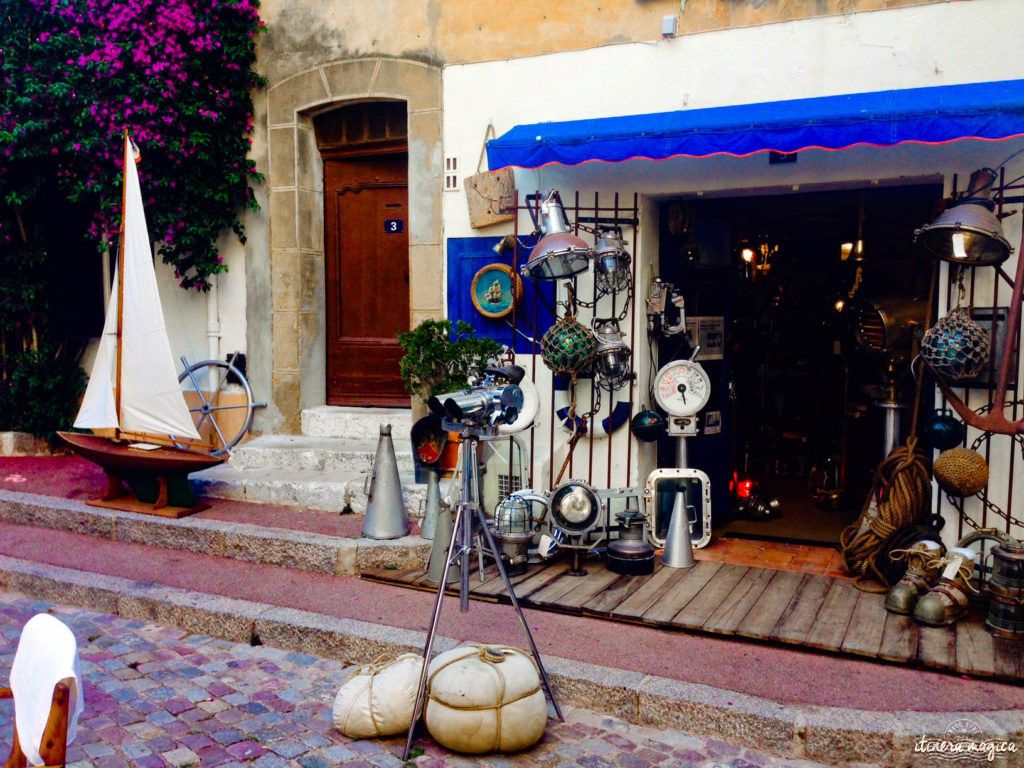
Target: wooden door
[(366, 246)]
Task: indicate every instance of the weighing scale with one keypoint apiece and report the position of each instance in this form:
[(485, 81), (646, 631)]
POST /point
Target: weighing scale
[(682, 388)]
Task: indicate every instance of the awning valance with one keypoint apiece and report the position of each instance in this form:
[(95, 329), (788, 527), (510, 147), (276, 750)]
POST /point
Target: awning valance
[(993, 111)]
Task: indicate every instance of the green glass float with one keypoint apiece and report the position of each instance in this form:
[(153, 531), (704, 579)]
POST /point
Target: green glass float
[(568, 347)]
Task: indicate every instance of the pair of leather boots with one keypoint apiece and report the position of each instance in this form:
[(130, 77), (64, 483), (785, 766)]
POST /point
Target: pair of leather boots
[(935, 587)]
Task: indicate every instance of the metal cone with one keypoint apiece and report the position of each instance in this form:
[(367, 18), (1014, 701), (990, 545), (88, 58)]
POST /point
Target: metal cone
[(439, 549), (678, 545), (386, 517), (433, 506)]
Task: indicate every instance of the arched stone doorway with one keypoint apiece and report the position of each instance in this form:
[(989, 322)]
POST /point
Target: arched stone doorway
[(366, 250), (287, 340)]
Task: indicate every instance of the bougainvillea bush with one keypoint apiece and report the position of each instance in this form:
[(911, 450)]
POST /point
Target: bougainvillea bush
[(176, 73), (74, 74)]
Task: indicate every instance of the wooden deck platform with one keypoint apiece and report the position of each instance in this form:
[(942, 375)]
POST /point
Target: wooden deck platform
[(805, 609)]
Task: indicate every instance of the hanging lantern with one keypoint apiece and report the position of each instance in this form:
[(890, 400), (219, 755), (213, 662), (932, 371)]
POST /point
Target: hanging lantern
[(611, 359), (956, 347), (559, 253), (968, 232), (568, 347), (611, 262)]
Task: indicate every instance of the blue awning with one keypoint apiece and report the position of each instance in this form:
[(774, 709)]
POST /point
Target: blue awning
[(933, 115)]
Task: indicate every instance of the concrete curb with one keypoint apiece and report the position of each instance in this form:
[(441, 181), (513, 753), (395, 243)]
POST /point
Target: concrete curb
[(824, 734), (301, 550)]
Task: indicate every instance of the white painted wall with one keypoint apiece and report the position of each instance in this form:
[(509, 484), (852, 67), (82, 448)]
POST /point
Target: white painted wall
[(930, 45), (185, 312)]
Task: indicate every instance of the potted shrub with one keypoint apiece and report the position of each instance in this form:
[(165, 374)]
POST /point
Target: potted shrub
[(439, 359)]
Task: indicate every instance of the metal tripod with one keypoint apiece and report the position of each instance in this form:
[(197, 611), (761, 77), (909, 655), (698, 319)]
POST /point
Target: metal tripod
[(467, 515)]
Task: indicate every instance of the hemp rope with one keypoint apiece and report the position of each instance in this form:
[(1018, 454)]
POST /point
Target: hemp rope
[(902, 491)]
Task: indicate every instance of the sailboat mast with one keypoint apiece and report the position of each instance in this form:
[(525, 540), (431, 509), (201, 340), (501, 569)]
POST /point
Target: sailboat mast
[(120, 287)]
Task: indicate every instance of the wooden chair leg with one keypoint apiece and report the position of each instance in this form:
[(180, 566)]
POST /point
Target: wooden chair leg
[(17, 758), (54, 746)]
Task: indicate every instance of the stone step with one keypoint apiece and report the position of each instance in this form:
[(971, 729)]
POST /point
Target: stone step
[(304, 550), (330, 491), (356, 423), (326, 454)]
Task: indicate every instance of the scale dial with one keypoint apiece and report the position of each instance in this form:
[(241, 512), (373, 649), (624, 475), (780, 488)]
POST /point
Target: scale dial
[(682, 388)]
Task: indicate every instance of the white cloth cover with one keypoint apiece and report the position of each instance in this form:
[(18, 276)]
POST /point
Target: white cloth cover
[(47, 653), (485, 699), (378, 699)]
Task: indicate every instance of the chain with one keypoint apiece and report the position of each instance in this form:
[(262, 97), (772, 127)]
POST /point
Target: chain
[(989, 506), (985, 437), (571, 304)]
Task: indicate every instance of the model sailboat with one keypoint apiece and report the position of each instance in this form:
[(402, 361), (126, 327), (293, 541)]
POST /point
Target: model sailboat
[(149, 439)]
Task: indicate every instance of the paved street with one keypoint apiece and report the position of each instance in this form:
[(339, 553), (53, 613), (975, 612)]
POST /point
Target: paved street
[(156, 696)]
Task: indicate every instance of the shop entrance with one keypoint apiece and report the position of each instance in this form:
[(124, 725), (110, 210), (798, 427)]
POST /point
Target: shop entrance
[(818, 294)]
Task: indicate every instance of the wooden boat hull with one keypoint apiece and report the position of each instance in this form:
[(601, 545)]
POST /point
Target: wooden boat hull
[(158, 478)]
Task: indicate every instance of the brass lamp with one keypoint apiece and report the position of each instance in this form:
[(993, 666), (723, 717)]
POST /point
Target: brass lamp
[(968, 232), (559, 253)]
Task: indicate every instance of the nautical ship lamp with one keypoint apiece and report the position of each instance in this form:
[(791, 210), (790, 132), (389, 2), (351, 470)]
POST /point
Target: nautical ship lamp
[(611, 359), (611, 262), (559, 253), (968, 232)]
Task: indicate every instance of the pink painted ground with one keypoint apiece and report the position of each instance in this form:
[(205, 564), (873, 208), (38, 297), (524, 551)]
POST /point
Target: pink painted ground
[(781, 674)]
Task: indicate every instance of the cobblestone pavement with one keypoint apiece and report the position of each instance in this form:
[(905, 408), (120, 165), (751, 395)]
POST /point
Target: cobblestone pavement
[(157, 696)]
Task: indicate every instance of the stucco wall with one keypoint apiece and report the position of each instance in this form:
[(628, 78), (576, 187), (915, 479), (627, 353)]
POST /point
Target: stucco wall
[(302, 33)]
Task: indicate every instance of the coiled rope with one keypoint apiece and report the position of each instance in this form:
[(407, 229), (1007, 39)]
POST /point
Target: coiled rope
[(901, 495)]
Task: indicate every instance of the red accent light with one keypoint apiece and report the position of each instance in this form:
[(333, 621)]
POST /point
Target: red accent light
[(744, 489)]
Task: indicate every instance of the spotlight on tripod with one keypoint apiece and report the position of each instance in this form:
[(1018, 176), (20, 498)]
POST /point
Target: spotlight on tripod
[(475, 413)]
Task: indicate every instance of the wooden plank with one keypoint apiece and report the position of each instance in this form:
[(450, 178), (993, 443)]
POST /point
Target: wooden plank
[(490, 574), (867, 625), (401, 577), (496, 585), (834, 616), (731, 612), (681, 592), (764, 614), (533, 581), (604, 602), (550, 596), (643, 597), (937, 646), (975, 651), (798, 618), (1009, 658), (899, 638), (591, 586), (698, 610)]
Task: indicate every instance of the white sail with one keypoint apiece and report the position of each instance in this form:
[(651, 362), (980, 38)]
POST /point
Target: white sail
[(151, 398)]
